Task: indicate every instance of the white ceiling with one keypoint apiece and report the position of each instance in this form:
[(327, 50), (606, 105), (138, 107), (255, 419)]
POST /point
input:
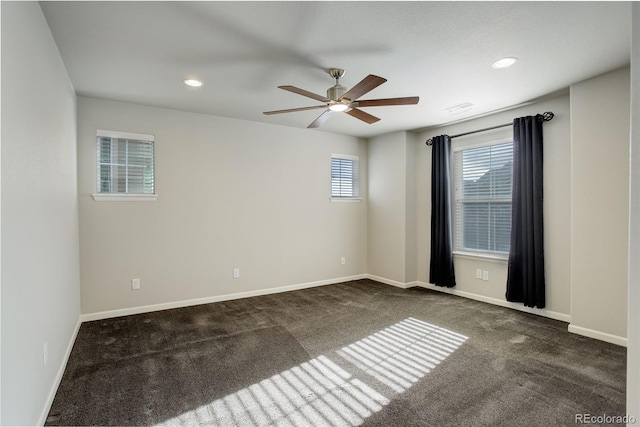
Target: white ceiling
[(441, 51)]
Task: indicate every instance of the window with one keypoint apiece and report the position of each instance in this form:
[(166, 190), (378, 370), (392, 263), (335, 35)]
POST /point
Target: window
[(344, 176), (482, 199), (125, 164)]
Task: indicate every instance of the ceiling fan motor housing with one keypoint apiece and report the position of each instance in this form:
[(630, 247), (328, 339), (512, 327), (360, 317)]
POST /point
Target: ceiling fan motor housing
[(335, 92)]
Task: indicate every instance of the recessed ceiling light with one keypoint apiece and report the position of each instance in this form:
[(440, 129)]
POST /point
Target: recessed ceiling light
[(192, 82), (505, 62)]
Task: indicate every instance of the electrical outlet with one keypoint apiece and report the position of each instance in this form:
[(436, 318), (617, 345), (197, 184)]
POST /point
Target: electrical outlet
[(45, 354), (478, 273), (343, 261), (236, 273), (485, 275), (135, 283)]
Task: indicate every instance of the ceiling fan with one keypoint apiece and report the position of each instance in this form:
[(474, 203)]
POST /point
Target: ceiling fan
[(339, 99)]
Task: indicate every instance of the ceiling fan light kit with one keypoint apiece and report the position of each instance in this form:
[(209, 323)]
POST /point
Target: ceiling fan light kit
[(339, 99), (338, 107)]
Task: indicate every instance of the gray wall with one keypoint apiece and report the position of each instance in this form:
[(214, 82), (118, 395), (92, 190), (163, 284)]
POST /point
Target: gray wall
[(40, 272), (232, 194), (391, 208), (600, 205)]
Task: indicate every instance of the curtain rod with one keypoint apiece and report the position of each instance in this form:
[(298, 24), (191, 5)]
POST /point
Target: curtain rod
[(545, 117)]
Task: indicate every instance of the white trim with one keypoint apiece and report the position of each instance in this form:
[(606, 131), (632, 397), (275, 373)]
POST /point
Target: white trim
[(54, 388), (388, 281), (345, 156), (602, 336), (502, 303), (124, 135), (494, 301), (124, 197), (478, 256), (207, 300), (345, 199), (540, 312)]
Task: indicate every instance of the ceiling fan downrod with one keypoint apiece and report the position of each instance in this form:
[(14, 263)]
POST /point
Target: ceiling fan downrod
[(335, 92)]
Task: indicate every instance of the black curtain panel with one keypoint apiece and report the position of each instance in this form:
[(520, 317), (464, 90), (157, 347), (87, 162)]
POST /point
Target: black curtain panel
[(525, 277), (441, 270)]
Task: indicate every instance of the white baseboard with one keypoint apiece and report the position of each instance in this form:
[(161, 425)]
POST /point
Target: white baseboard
[(54, 388), (502, 303), (540, 312), (218, 298), (388, 281), (603, 336), (207, 300)]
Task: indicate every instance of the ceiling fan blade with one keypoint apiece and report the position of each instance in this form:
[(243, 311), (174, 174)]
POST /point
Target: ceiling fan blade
[(320, 120), (368, 83), (359, 114), (388, 101), (291, 110), (305, 93)]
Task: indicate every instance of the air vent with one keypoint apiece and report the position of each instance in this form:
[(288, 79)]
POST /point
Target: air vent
[(460, 108)]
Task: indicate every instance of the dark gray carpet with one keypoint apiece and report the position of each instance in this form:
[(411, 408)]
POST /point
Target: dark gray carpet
[(357, 353)]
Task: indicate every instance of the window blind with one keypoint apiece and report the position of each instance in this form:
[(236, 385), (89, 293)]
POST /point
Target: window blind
[(482, 198), (125, 164), (344, 176)]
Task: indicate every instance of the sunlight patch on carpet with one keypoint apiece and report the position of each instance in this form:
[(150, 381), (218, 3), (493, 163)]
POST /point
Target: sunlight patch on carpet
[(321, 393), (403, 353)]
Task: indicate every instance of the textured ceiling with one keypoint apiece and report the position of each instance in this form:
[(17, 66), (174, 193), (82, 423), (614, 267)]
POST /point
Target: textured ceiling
[(441, 51)]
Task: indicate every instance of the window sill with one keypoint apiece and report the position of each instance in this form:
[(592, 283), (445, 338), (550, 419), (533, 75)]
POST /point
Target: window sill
[(346, 199), (116, 197), (482, 257)]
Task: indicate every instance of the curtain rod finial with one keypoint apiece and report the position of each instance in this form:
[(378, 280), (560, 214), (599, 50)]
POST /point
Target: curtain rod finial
[(545, 117), (429, 142)]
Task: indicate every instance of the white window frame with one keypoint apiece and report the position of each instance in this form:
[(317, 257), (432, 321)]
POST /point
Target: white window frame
[(355, 178), (119, 197), (457, 225)]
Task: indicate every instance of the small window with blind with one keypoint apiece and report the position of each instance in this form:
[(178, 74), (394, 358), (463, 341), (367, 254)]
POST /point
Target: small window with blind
[(345, 181), (482, 199), (125, 164)]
